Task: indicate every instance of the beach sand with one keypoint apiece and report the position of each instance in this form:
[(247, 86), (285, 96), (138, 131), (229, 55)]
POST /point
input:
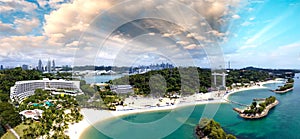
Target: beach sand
[(92, 116)]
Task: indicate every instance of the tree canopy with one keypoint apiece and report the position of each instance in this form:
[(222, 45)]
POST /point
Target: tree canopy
[(211, 129), (176, 77)]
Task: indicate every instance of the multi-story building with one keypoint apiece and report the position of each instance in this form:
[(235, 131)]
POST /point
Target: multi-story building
[(23, 89), (25, 67), (121, 89), (49, 66), (40, 65), (53, 65)]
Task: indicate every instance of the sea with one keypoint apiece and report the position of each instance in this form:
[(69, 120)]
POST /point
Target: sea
[(283, 121), (101, 78)]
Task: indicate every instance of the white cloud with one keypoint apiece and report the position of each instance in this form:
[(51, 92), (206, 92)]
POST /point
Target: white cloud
[(151, 33), (190, 35), (166, 35), (6, 28), (235, 16), (17, 5), (72, 18), (5, 8), (74, 43), (216, 33), (191, 46), (182, 42), (251, 18), (28, 49), (26, 25), (246, 47), (64, 25), (246, 23)]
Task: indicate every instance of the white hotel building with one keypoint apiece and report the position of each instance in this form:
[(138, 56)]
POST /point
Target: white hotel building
[(23, 89)]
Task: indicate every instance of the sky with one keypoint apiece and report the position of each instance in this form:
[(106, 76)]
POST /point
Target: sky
[(204, 33)]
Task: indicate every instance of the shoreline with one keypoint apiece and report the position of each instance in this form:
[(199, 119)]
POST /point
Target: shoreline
[(284, 91), (95, 116), (263, 114)]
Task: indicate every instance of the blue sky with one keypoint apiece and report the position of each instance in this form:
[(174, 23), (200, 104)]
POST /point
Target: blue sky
[(260, 33), (268, 34)]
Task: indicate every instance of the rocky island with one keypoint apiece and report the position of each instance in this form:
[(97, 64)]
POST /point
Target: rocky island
[(258, 110), (289, 86)]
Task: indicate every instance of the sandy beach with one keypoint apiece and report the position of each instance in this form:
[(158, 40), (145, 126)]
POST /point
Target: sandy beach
[(92, 116)]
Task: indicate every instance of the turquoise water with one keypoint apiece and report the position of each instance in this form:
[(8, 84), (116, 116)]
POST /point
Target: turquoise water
[(101, 78), (282, 122)]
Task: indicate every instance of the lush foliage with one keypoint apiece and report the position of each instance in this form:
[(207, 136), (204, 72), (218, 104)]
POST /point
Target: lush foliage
[(211, 129), (8, 114), (9, 77), (99, 98), (261, 106), (58, 75), (175, 77), (19, 129), (245, 76), (285, 87), (290, 80), (55, 118)]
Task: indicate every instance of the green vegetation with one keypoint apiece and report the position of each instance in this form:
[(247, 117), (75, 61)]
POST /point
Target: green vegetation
[(58, 75), (211, 129), (174, 79), (95, 97), (110, 100), (19, 129), (245, 76), (285, 87), (288, 85), (290, 80), (8, 113), (9, 77), (261, 106), (55, 118)]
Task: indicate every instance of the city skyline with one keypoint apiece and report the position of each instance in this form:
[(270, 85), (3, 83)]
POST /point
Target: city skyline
[(253, 33)]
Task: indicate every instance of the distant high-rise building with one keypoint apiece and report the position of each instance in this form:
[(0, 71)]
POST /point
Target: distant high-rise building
[(49, 66), (25, 67), (40, 65), (1, 67), (53, 65)]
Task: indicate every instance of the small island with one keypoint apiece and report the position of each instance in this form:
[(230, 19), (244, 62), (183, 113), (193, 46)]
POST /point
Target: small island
[(289, 86), (210, 129), (258, 110)]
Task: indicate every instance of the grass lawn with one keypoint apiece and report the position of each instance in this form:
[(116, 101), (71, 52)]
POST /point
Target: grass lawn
[(18, 129)]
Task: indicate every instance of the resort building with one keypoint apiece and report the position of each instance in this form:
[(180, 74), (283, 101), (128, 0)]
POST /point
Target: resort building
[(121, 89), (23, 89), (33, 114)]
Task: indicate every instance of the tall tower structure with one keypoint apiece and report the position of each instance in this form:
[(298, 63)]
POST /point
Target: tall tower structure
[(49, 66), (53, 65), (40, 67)]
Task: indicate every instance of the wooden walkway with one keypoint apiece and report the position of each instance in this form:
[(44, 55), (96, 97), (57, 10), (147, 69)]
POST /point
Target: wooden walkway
[(234, 102)]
